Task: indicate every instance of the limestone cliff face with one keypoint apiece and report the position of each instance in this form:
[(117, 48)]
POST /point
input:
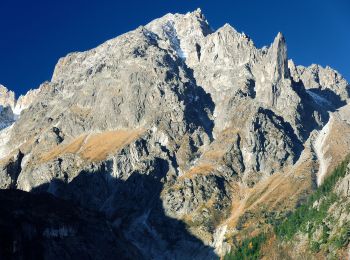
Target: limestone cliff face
[(7, 97), (24, 101), (7, 103), (169, 129), (10, 108)]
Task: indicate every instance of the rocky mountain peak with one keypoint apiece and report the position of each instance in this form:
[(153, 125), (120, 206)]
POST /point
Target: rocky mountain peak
[(198, 12), (277, 55), (183, 32), (10, 108), (24, 101), (7, 97), (7, 104)]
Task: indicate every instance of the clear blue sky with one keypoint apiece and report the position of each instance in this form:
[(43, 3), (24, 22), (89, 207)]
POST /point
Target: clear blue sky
[(35, 33)]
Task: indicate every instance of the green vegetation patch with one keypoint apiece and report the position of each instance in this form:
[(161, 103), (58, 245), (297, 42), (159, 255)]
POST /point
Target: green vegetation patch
[(308, 215), (248, 249)]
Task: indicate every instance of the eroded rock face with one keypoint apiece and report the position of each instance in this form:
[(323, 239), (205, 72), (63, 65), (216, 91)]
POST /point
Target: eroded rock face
[(161, 127), (327, 82), (10, 169), (271, 143), (7, 103), (10, 108), (24, 101), (7, 97)]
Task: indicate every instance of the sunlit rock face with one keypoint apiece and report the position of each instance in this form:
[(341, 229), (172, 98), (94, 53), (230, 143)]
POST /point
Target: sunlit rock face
[(168, 129), (10, 108)]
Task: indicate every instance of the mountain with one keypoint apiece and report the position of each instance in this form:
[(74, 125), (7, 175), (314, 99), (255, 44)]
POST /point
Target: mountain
[(186, 139)]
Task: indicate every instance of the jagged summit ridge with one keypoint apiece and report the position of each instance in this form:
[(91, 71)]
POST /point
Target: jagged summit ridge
[(183, 32), (7, 97), (278, 54), (10, 108)]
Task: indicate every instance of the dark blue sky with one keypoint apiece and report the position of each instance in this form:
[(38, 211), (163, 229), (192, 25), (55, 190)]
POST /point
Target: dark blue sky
[(34, 34)]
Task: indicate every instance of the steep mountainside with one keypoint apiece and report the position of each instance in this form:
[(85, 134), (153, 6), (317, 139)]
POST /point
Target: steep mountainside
[(321, 227), (187, 139)]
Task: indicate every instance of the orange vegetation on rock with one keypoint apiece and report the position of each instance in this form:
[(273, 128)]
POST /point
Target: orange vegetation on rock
[(96, 146), (285, 188), (203, 168)]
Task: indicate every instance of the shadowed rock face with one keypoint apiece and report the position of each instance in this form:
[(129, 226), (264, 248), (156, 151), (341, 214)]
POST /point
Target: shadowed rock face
[(132, 226), (168, 128), (40, 226)]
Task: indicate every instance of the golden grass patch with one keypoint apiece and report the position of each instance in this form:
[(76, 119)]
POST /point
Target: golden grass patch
[(214, 154), (203, 168), (80, 111), (94, 147), (284, 188)]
